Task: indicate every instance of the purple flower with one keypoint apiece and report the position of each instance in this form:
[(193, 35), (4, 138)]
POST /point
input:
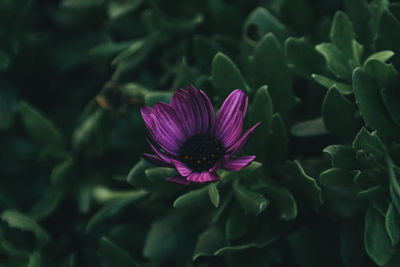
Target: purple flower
[(189, 138)]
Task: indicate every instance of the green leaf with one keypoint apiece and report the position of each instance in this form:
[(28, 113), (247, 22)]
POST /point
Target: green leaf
[(304, 56), (394, 182), (213, 193), (138, 50), (339, 115), (376, 240), (251, 202), (309, 128), (261, 111), (388, 34), (87, 130), (261, 22), (209, 242), (381, 56), (244, 173), (369, 143), (152, 98), (336, 177), (191, 197), (236, 224), (40, 128), (35, 260), (342, 34), (223, 67), (277, 142), (392, 226), (336, 61), (385, 74), (22, 222), (109, 48), (158, 175), (47, 203), (113, 208), (360, 14), (328, 83), (173, 237), (371, 108), (284, 199), (304, 185), (137, 176), (391, 100), (267, 66), (342, 156), (61, 171), (118, 9), (371, 193), (112, 255)]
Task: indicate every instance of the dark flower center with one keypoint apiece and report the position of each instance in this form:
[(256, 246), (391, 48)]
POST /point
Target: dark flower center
[(201, 152)]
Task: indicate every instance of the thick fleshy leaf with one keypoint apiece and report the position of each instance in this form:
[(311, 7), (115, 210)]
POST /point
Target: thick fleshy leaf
[(376, 240), (260, 22), (337, 61), (303, 185), (191, 197), (40, 128), (209, 241), (213, 193), (372, 111), (285, 200), (252, 202), (236, 224), (339, 115), (114, 207), (392, 226), (261, 110), (309, 128), (342, 156), (328, 83), (304, 56), (370, 143), (223, 67), (22, 222), (267, 66), (113, 255)]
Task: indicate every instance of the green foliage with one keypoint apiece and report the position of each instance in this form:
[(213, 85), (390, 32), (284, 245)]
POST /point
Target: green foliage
[(320, 77)]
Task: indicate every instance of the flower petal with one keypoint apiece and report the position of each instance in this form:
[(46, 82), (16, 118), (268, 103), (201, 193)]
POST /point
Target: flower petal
[(199, 109), (158, 153), (210, 111), (184, 111), (235, 103), (156, 160), (203, 177), (241, 142), (182, 168), (146, 111), (162, 137), (238, 163), (169, 121), (178, 179), (232, 130)]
